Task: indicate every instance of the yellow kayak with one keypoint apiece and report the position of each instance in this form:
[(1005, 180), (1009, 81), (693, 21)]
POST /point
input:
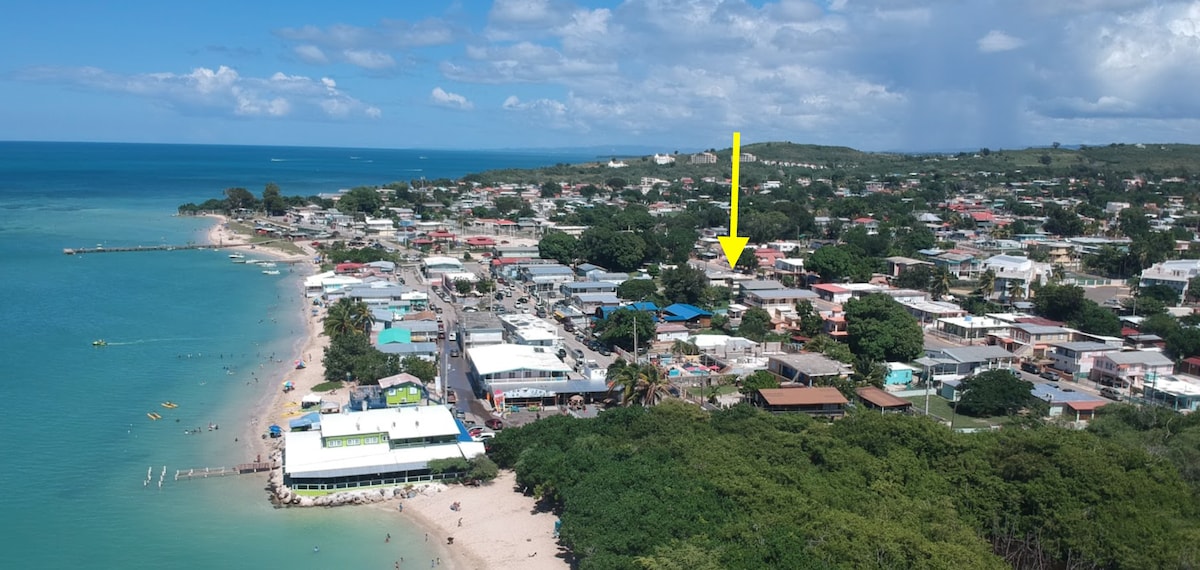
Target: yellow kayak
[(153, 416), (170, 405)]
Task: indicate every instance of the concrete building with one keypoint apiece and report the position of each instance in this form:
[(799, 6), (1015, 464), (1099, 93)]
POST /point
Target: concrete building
[(479, 329), (806, 367), (1130, 370), (510, 374), (1077, 358), (1175, 274)]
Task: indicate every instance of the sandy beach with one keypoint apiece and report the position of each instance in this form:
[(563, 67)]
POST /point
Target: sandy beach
[(495, 526)]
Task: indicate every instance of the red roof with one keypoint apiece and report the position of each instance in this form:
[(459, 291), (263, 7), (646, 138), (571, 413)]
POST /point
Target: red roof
[(802, 396), (510, 260), (863, 220), (982, 216), (881, 398), (422, 241), (344, 267), (1128, 331), (1086, 405), (440, 234), (505, 223), (830, 288), (480, 240), (1193, 360)]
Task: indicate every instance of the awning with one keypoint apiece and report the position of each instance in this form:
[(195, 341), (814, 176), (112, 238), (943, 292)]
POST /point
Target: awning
[(311, 399)]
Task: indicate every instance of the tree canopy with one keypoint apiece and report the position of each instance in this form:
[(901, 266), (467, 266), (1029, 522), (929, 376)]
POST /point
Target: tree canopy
[(683, 284), (618, 328), (996, 393), (673, 486), (880, 329), (756, 323), (558, 246), (837, 262)]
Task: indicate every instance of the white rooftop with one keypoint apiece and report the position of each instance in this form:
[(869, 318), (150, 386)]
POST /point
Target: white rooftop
[(305, 457), (399, 423), (1176, 386), (438, 260), (498, 358), (973, 322)]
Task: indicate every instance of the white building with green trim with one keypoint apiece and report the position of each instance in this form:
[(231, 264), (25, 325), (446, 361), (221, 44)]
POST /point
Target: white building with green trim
[(375, 448)]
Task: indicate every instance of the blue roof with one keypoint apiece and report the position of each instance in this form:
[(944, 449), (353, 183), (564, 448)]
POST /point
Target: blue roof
[(1053, 394), (307, 420), (606, 311), (683, 312)]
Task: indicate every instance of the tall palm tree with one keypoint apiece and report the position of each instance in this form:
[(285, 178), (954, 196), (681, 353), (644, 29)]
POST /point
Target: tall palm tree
[(987, 283), (1016, 290), (1058, 273), (348, 317), (641, 384), (940, 285)]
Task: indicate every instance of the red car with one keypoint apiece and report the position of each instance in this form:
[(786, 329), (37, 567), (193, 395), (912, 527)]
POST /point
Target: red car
[(494, 424)]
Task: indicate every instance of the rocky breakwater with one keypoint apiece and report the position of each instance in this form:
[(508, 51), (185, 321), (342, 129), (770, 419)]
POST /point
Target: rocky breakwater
[(283, 496)]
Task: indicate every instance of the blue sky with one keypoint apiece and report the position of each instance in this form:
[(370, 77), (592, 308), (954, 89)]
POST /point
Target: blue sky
[(669, 74)]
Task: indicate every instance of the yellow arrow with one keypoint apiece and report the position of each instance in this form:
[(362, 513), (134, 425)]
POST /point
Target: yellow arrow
[(732, 245)]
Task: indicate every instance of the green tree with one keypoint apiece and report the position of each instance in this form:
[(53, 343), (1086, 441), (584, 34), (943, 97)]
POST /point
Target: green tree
[(1062, 222), (618, 328), (463, 286), (484, 286), (837, 262), (997, 393), (1059, 302), (618, 251), (558, 246), (360, 200), (1161, 293), (939, 285), (347, 316), (272, 201), (240, 199), (638, 384), (880, 329), (756, 323), (747, 262), (758, 380), (915, 277), (549, 190), (351, 355), (683, 284), (827, 345), (811, 323), (987, 284), (637, 289), (419, 367)]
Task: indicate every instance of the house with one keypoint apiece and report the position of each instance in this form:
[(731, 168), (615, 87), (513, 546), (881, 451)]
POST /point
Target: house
[(824, 401), (928, 312), (970, 329), (758, 285), (1176, 274), (960, 264), (722, 345), (1130, 370), (833, 293), (588, 303), (402, 390), (670, 332), (375, 447), (1067, 403), (778, 301), (704, 158), (546, 279), (530, 330), (875, 399), (479, 329), (1030, 340), (684, 313), (1180, 392), (960, 362), (806, 368), (435, 266), (573, 288), (1016, 271), (899, 374), (1077, 358), (897, 265)]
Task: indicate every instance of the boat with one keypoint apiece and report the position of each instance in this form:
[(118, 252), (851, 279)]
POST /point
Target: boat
[(236, 256), (100, 342), (271, 272), (153, 416), (267, 264), (170, 405), (239, 260)]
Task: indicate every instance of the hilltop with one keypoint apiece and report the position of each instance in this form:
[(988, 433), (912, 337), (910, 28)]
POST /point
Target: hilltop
[(783, 160)]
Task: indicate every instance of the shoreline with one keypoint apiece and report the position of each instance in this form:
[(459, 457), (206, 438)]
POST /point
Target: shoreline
[(505, 534)]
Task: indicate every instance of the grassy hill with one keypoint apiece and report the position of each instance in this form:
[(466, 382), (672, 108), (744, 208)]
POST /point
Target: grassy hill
[(1162, 159)]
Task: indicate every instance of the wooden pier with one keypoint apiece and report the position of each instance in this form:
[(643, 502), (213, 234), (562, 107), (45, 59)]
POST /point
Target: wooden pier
[(101, 249), (206, 472)]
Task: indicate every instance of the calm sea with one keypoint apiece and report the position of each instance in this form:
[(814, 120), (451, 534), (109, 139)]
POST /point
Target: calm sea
[(182, 326)]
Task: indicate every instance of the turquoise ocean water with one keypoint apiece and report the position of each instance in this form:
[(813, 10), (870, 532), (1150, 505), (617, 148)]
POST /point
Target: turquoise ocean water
[(184, 326)]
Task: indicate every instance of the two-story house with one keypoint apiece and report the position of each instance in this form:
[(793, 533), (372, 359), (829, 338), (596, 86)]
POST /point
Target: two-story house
[(1077, 358), (1130, 370)]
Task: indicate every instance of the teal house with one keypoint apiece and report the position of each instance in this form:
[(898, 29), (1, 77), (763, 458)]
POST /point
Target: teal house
[(899, 374), (391, 335), (402, 390)]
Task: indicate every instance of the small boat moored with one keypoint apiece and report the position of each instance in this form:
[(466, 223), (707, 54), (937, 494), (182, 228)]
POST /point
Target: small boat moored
[(271, 272), (100, 342), (153, 416), (170, 405)]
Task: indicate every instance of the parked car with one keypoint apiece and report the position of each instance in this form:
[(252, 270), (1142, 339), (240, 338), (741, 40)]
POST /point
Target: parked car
[(494, 424), (454, 353), (1110, 393), (1049, 375), (578, 354)]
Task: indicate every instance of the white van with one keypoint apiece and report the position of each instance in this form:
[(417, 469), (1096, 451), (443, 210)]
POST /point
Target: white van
[(452, 336)]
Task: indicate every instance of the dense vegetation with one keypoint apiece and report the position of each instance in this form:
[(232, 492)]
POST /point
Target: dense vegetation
[(676, 487)]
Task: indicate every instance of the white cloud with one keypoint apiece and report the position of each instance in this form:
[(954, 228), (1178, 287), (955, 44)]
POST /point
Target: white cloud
[(368, 47), (220, 91), (445, 98), (368, 59), (997, 41), (309, 53)]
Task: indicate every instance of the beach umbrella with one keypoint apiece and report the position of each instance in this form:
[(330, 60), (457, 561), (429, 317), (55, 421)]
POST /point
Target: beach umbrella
[(299, 364)]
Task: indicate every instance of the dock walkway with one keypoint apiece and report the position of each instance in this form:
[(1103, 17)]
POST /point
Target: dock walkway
[(206, 472), (83, 250)]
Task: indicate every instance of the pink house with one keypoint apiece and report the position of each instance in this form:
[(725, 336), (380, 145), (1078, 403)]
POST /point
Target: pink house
[(1131, 369)]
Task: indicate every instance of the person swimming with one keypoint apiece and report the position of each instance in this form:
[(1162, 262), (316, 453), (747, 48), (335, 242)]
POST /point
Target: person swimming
[(316, 549)]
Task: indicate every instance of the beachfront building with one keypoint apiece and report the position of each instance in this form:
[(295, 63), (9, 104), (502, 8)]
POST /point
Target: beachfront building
[(384, 447), (328, 282), (479, 329), (513, 374)]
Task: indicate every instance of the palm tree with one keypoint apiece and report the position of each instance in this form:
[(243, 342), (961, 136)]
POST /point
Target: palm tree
[(348, 317), (940, 285), (1016, 290), (987, 283), (1057, 273), (642, 384)]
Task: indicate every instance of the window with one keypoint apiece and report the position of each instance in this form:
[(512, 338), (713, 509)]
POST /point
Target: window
[(333, 443), (371, 440), (354, 441)]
